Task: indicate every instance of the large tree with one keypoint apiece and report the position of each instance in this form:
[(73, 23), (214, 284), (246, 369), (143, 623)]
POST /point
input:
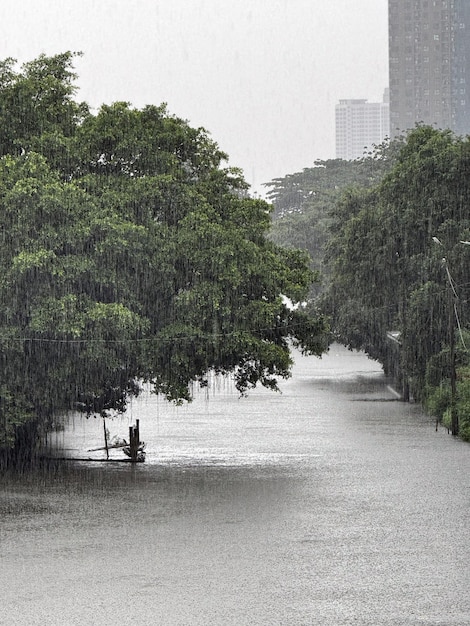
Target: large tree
[(129, 252), (398, 262)]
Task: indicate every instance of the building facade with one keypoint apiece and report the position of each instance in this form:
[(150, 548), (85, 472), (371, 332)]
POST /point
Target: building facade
[(429, 55), (359, 126)]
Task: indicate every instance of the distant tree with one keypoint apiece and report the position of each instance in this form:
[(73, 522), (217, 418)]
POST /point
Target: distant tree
[(305, 203)]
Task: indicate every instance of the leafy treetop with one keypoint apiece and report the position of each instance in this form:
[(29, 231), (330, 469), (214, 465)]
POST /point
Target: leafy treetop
[(129, 252)]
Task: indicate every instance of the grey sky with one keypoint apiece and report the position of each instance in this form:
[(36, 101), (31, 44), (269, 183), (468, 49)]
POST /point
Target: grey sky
[(262, 76)]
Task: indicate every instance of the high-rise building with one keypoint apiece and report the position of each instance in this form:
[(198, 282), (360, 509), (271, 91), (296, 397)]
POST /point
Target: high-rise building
[(429, 64), (360, 125)]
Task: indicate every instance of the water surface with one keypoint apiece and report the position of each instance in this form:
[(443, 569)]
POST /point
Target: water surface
[(329, 504)]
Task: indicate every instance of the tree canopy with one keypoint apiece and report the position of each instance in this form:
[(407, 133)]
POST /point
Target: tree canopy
[(129, 252), (398, 263), (386, 233), (305, 202)]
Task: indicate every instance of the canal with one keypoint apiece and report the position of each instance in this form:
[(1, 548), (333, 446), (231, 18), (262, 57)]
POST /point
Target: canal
[(330, 503)]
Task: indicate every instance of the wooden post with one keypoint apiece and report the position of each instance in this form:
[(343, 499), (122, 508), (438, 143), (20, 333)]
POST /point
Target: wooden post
[(134, 441), (105, 439), (131, 443)]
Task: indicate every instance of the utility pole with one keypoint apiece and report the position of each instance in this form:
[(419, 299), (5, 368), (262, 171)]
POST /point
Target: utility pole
[(454, 418), (453, 318)]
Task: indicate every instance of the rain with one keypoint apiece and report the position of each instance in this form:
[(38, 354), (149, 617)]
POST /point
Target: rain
[(226, 400)]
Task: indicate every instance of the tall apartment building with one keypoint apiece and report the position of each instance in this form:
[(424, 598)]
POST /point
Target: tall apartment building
[(360, 125), (429, 64)]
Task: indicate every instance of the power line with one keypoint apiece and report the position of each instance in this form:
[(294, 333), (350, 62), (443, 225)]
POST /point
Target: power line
[(155, 339)]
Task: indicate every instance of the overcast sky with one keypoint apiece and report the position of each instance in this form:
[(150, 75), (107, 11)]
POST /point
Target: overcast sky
[(262, 76)]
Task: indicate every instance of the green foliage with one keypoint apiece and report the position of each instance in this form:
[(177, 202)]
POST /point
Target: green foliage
[(130, 253), (438, 390), (14, 413), (388, 273), (310, 204), (438, 401), (463, 402), (37, 109)]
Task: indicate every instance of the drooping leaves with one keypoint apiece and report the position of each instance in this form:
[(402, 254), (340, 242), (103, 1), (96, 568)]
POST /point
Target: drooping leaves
[(129, 252)]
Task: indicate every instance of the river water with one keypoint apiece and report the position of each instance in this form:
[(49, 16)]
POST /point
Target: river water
[(331, 503)]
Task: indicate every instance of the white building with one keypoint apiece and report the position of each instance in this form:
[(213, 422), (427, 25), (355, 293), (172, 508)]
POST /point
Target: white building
[(360, 125)]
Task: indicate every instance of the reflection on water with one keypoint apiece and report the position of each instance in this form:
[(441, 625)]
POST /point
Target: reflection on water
[(330, 503)]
